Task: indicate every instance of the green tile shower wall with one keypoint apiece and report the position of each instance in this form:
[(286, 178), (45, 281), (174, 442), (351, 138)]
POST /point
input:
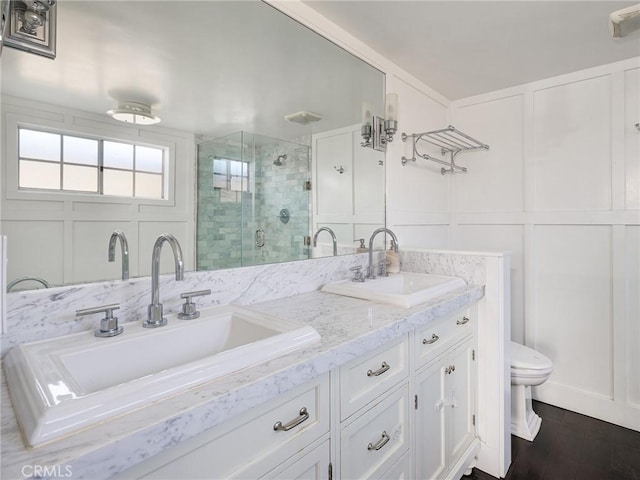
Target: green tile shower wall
[(227, 221)]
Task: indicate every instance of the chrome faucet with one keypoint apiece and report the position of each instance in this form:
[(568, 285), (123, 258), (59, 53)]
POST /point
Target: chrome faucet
[(124, 248), (370, 268), (155, 318), (13, 283), (333, 239)]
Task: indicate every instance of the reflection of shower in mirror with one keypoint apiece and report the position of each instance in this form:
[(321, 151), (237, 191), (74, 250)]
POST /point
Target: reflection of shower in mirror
[(278, 162)]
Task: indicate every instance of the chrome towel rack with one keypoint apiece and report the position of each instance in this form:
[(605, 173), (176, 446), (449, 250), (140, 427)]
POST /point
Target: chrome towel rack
[(450, 140)]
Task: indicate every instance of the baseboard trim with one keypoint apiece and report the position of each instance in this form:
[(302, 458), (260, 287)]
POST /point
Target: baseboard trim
[(593, 405)]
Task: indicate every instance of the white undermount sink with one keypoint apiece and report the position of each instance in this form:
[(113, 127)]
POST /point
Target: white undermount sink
[(65, 384), (403, 289)]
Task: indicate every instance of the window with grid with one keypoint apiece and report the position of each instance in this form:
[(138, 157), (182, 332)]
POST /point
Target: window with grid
[(231, 175), (70, 163)]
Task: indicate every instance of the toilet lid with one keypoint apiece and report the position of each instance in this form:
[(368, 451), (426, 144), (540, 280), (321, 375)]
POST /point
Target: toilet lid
[(528, 359)]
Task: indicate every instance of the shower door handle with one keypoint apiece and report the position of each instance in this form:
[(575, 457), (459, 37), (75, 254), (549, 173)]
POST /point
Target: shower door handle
[(259, 238)]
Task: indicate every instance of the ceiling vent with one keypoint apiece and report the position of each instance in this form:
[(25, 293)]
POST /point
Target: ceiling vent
[(303, 118)]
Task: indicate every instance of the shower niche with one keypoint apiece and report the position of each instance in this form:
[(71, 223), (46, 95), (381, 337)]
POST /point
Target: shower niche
[(245, 182)]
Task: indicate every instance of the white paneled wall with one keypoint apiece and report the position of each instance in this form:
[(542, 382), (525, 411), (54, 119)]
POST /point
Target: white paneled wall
[(631, 139), (572, 145), (419, 197), (631, 295), (64, 238), (351, 203), (560, 189)]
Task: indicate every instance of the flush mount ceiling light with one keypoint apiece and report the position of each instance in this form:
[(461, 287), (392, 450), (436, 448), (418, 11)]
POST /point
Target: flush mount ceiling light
[(133, 112), (303, 118)]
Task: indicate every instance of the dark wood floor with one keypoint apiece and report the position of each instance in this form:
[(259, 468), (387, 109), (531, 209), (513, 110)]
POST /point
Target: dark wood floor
[(571, 446)]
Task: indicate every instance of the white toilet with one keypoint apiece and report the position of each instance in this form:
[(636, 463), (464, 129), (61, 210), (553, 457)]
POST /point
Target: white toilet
[(528, 368)]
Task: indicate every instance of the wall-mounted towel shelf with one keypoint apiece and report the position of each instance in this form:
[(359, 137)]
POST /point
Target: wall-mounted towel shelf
[(450, 140)]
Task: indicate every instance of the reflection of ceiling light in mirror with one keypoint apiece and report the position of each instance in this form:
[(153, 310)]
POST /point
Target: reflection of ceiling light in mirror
[(133, 112), (303, 118)]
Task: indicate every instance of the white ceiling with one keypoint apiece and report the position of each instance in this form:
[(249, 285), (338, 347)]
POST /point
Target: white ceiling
[(217, 67), (464, 48)]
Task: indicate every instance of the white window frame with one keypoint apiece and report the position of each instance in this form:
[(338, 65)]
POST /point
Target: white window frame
[(229, 176), (86, 128), (99, 166)]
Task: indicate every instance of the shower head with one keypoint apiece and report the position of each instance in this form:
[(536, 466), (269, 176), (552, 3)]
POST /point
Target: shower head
[(279, 161)]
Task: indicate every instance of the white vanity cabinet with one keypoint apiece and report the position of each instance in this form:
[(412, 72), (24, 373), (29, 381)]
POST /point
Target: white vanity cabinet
[(445, 400), (288, 434), (404, 410), (374, 411)]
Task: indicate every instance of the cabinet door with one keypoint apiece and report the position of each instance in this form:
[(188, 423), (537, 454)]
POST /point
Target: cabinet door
[(460, 391), (431, 453)]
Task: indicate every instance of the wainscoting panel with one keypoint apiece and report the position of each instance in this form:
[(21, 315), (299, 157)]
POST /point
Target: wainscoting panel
[(573, 323), (495, 183), (572, 142), (579, 226), (632, 316), (504, 238)]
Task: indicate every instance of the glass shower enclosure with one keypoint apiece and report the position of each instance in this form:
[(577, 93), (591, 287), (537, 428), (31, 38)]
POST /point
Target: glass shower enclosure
[(253, 204)]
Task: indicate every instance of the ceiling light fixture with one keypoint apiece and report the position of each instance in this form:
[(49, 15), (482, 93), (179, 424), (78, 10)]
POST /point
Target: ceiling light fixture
[(303, 118), (134, 112)]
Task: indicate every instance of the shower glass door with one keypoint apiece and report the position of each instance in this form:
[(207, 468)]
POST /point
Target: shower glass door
[(253, 207)]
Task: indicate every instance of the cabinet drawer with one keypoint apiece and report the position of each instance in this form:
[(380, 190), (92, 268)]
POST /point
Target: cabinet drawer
[(436, 337), (367, 377), (253, 446), (401, 470), (312, 466), (372, 443)]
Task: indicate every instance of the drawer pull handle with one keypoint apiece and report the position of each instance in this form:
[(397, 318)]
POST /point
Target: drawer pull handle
[(380, 443), (463, 321), (385, 366), (434, 338), (304, 415)]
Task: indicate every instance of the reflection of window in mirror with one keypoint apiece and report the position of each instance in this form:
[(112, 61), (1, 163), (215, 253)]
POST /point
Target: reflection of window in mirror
[(70, 163), (232, 175)]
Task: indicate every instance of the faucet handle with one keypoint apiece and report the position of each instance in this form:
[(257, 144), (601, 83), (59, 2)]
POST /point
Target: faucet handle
[(189, 311), (382, 268), (109, 324), (357, 273)]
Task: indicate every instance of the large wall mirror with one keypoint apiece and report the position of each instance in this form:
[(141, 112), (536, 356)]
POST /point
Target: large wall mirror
[(257, 147)]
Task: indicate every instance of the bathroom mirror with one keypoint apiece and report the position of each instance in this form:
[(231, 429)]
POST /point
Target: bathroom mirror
[(221, 77)]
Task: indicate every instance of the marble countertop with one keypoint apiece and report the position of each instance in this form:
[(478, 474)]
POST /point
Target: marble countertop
[(349, 327)]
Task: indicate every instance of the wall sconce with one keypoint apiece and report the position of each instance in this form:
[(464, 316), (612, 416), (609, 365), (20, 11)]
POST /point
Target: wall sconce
[(32, 26), (376, 131)]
